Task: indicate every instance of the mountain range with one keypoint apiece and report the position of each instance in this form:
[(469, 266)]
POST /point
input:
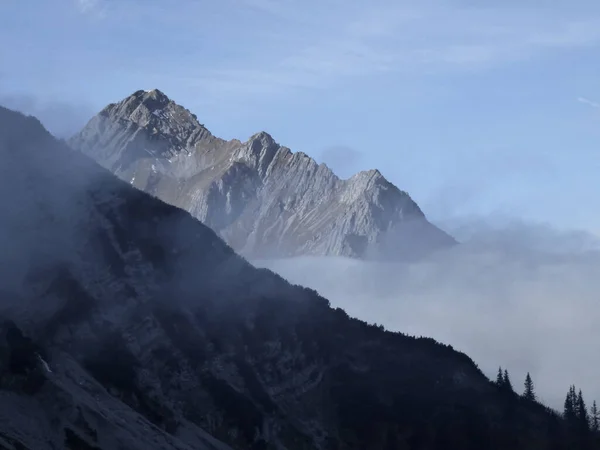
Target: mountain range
[(125, 323), (264, 200)]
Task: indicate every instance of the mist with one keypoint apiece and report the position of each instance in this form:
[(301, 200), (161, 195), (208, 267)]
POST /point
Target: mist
[(514, 294), (522, 296), (49, 219), (62, 119)]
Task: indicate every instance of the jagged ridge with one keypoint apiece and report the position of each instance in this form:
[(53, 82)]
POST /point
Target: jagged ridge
[(262, 198)]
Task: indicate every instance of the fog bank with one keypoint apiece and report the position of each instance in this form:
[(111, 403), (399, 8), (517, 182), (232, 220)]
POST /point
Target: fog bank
[(525, 297)]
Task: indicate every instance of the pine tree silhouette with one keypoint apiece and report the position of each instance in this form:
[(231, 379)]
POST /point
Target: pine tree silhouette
[(569, 413), (573, 395), (506, 381), (594, 417), (529, 393), (500, 378), (582, 414)]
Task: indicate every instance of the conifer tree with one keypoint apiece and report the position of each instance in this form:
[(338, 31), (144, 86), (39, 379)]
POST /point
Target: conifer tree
[(582, 414), (529, 393), (499, 377), (569, 408), (594, 418), (506, 381), (573, 395)]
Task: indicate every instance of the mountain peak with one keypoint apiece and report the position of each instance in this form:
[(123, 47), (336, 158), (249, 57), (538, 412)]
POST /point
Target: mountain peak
[(153, 100), (156, 94), (262, 136), (367, 178), (266, 200), (156, 126), (369, 174), (151, 108)]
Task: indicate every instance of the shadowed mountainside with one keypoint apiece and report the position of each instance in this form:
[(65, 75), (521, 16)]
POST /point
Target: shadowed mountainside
[(128, 324)]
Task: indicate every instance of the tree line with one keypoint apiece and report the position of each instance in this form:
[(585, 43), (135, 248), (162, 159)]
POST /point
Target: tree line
[(575, 412)]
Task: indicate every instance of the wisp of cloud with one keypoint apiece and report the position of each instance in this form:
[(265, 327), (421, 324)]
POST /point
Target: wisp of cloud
[(523, 297)]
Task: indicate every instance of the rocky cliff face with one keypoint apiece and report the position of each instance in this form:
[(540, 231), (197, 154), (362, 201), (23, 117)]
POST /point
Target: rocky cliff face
[(127, 324), (264, 200)]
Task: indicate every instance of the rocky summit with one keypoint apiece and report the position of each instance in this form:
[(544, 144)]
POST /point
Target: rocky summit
[(125, 323), (263, 199)]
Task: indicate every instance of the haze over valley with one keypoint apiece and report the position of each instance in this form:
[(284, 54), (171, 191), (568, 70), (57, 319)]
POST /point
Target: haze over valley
[(299, 225), (522, 296)]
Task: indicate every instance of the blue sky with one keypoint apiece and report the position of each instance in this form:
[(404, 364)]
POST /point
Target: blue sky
[(481, 108)]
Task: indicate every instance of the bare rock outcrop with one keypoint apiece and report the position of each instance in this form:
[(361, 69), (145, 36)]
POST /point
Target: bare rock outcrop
[(263, 199)]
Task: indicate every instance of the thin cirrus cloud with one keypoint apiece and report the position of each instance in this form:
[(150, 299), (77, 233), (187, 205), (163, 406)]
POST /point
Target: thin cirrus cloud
[(94, 9), (260, 47), (588, 102), (88, 6), (390, 38)]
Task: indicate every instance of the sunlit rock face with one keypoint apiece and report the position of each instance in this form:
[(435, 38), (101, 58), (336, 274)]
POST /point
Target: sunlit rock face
[(262, 198)]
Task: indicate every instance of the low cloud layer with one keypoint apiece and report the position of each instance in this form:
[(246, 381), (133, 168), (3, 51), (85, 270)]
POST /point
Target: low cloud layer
[(61, 118), (521, 296)]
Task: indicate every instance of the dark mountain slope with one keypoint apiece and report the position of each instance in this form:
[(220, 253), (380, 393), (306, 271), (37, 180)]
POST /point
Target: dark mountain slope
[(261, 198), (127, 324)]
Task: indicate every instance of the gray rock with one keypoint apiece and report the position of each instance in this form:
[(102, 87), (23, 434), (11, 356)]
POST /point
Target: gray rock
[(262, 198)]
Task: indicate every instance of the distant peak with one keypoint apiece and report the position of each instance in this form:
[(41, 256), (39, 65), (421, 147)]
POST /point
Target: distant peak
[(157, 94), (153, 99), (262, 136), (149, 93), (368, 174), (144, 106), (368, 179)]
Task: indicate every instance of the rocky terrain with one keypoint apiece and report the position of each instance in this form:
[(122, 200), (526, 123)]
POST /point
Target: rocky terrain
[(125, 323), (264, 200)]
